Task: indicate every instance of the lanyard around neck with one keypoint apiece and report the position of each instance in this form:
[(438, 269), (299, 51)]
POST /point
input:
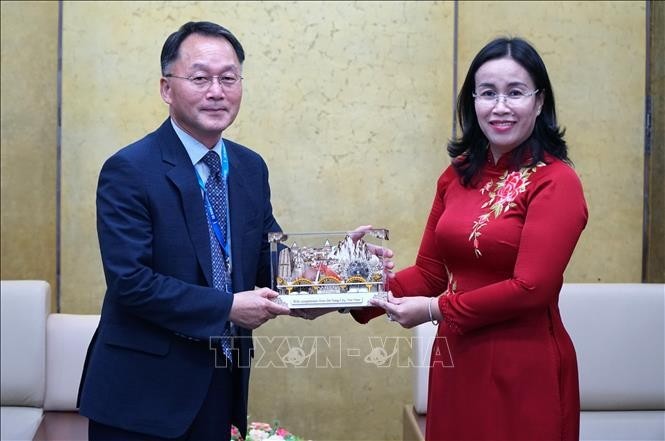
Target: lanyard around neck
[(223, 239)]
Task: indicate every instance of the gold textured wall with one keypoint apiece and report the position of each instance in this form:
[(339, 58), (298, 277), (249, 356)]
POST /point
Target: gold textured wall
[(339, 96), (28, 140), (594, 53), (350, 103)]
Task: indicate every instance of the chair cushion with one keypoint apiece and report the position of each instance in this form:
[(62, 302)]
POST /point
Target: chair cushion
[(619, 334), (19, 423), (619, 337), (621, 425), (25, 306), (68, 337)]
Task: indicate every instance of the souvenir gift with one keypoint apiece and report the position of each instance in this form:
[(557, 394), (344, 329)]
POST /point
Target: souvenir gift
[(328, 270)]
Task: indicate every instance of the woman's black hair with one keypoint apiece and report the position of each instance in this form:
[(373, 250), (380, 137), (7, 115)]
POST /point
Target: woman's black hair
[(469, 151)]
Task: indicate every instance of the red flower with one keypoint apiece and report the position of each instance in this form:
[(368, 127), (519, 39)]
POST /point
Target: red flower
[(510, 188)]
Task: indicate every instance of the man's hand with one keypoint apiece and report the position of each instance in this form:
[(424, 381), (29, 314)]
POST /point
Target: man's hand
[(251, 309)]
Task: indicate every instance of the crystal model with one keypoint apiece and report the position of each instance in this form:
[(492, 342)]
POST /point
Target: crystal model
[(313, 273)]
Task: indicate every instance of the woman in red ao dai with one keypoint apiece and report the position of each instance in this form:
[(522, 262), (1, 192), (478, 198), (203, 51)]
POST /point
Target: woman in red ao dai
[(504, 222)]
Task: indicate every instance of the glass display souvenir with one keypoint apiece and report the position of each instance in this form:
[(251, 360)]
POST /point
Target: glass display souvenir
[(328, 270)]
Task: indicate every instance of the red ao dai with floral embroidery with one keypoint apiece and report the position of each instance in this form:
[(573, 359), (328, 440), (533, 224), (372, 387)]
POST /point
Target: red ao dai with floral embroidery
[(507, 368)]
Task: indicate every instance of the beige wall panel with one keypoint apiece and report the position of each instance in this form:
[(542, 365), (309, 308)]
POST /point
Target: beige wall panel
[(110, 88), (349, 103), (28, 138), (356, 103), (594, 53)]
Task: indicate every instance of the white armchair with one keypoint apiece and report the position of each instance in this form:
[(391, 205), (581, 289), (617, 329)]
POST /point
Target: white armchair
[(67, 340), (619, 334), (25, 306), (42, 361)]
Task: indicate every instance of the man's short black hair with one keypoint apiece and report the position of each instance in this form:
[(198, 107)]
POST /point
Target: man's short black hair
[(172, 44)]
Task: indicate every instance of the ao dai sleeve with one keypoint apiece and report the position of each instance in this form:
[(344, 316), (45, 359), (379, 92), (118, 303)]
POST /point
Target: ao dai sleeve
[(555, 216), (427, 276)]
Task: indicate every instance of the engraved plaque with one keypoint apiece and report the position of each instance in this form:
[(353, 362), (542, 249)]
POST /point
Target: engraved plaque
[(328, 269)]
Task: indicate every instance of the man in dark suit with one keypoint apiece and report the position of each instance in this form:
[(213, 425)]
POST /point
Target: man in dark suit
[(182, 219)]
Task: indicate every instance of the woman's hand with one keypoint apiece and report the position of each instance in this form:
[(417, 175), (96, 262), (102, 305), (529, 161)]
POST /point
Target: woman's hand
[(385, 254), (408, 311)]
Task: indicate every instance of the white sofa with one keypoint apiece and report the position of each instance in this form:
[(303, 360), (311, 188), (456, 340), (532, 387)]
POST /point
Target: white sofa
[(619, 336), (24, 309), (42, 360)]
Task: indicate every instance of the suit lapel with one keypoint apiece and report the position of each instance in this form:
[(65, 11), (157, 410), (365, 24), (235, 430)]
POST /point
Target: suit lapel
[(183, 177)]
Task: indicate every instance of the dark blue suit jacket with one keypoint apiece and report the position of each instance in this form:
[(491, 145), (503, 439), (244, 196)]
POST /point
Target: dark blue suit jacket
[(148, 367)]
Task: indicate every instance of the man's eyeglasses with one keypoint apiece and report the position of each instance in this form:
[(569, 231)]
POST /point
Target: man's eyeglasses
[(227, 81), (514, 97)]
